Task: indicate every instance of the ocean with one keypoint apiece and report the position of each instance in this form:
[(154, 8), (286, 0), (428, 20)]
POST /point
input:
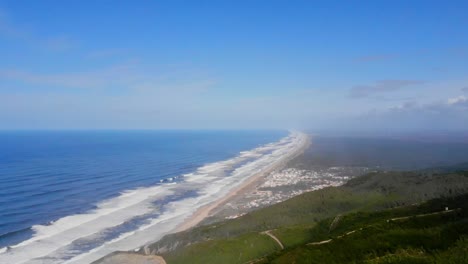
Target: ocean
[(74, 196)]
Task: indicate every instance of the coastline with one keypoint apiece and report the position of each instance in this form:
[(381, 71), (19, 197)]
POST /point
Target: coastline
[(245, 184), (202, 213)]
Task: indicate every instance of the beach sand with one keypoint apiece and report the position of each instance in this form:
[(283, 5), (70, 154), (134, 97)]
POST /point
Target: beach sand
[(245, 187), (249, 184)]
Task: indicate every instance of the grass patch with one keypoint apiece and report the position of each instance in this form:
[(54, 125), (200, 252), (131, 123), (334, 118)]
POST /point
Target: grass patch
[(439, 238), (234, 250)]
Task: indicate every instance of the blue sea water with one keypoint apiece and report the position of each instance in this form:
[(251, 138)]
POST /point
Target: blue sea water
[(47, 175)]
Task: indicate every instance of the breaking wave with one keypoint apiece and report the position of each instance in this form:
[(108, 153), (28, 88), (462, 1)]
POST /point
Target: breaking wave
[(140, 216)]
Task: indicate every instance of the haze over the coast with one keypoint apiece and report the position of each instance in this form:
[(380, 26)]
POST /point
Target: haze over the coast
[(365, 66)]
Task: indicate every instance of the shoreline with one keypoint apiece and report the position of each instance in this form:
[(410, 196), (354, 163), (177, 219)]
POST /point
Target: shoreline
[(239, 188), (205, 211)]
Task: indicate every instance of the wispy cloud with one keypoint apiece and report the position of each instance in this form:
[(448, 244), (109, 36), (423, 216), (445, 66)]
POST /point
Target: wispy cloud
[(465, 89), (7, 29), (106, 53), (380, 87), (446, 107), (374, 58), (404, 106), (59, 43), (11, 30), (128, 76), (129, 95), (101, 78), (448, 114), (459, 51)]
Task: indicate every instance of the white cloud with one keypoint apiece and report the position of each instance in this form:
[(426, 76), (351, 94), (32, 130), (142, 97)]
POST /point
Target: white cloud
[(458, 101), (383, 86), (404, 106)]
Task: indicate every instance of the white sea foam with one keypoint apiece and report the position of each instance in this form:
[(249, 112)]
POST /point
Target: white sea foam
[(110, 213), (53, 243)]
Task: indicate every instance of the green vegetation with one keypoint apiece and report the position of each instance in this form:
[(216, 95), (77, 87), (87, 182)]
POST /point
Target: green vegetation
[(363, 205), (294, 235), (431, 238), (240, 249)]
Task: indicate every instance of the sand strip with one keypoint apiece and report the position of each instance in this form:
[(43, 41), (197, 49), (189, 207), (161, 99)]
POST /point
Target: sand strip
[(246, 185)]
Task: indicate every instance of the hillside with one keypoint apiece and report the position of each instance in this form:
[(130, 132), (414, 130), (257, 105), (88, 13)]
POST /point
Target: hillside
[(433, 232), (297, 221)]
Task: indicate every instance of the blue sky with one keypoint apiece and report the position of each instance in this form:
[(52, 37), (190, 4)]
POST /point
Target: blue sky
[(350, 65)]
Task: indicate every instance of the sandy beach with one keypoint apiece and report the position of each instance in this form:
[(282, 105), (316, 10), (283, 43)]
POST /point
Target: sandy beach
[(244, 187), (246, 184)]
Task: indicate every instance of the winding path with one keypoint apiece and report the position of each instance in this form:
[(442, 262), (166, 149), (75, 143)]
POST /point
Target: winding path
[(268, 233), (388, 220)]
